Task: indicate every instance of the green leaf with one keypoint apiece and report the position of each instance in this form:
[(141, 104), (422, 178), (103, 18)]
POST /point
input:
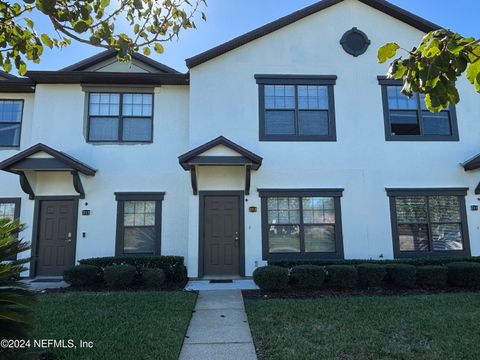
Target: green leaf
[(29, 22), (387, 52), (472, 74), (7, 66), (432, 103), (433, 49), (80, 26), (159, 48), (22, 69), (455, 48), (46, 40), (146, 51)]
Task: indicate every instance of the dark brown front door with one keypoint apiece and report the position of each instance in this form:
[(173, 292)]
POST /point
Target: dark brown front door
[(55, 237), (221, 235)]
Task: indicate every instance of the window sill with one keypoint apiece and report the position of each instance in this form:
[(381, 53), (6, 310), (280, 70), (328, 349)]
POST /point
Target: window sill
[(419, 138), (119, 142), (431, 254), (138, 255), (298, 138), (2, 147), (300, 257)]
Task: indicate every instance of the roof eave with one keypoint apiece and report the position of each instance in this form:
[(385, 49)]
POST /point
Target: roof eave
[(74, 77), (17, 85)]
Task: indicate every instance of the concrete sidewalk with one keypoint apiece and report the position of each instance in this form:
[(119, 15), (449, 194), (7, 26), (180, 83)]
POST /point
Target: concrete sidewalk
[(219, 329), (205, 285)]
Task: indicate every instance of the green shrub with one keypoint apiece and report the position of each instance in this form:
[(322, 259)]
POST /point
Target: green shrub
[(401, 275), (308, 276), (415, 262), (173, 266), (341, 276), (371, 275), (17, 304), (153, 277), (464, 274), (271, 278), (432, 276), (81, 275), (119, 276)]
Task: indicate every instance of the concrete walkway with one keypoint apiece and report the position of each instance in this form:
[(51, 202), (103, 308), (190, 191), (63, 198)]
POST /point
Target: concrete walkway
[(219, 329), (205, 285)]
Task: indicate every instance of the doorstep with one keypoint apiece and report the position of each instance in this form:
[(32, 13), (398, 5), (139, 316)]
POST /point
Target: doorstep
[(221, 284), (43, 283)]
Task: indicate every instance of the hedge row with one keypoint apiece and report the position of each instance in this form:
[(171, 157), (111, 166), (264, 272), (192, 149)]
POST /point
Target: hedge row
[(173, 266), (115, 276), (367, 275), (414, 262)]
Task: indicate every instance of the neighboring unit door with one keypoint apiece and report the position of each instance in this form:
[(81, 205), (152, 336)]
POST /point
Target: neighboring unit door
[(221, 235), (56, 227)]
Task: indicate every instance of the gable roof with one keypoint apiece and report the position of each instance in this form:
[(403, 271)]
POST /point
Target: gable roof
[(108, 54), (67, 160), (381, 5), (254, 158)]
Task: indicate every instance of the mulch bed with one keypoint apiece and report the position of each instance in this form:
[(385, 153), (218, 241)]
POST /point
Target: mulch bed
[(169, 286), (335, 293)]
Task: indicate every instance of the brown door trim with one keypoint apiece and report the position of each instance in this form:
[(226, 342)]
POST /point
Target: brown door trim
[(36, 224), (201, 219)]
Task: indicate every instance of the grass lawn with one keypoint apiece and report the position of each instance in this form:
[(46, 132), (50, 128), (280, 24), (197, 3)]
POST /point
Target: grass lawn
[(441, 326), (122, 325)]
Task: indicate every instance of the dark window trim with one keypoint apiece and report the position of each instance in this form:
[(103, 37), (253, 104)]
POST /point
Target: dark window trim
[(427, 191), (6, 147), (319, 80), (16, 215), (459, 192), (121, 197), (120, 118), (267, 79), (384, 82), (335, 193)]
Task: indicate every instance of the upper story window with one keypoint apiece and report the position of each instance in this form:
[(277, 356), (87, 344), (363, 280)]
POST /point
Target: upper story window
[(120, 117), (296, 108), (301, 224), (10, 122), (409, 119), (429, 222)]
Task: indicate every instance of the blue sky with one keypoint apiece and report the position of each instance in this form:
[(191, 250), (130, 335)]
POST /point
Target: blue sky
[(229, 18)]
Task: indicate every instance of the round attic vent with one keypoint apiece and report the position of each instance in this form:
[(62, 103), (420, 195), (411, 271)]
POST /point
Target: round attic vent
[(355, 42)]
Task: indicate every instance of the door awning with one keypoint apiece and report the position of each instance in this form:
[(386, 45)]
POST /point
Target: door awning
[(235, 155), (473, 164), (41, 157)]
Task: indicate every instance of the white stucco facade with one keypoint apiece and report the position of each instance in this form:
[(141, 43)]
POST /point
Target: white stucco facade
[(222, 100)]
